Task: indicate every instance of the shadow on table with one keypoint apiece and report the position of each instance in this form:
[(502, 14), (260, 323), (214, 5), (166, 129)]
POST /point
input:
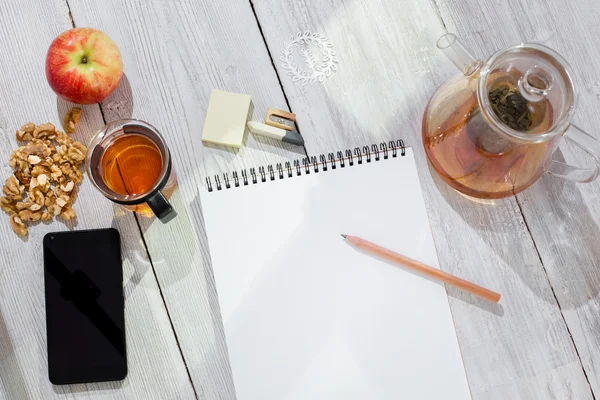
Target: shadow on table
[(88, 387), (180, 246), (269, 145), (181, 263), (494, 308), (174, 244), (171, 245), (570, 251), (176, 247), (132, 250), (556, 202), (498, 233), (118, 105), (275, 146), (476, 213)]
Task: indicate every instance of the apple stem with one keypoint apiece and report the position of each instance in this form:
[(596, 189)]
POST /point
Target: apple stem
[(84, 60)]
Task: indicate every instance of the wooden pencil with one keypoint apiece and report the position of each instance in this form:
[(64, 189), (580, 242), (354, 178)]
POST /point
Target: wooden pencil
[(423, 268)]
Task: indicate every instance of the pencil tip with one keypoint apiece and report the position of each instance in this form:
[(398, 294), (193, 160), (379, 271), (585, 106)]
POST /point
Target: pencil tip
[(344, 236)]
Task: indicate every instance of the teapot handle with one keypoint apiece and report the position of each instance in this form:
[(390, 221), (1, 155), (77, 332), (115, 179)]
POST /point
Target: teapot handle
[(571, 173)]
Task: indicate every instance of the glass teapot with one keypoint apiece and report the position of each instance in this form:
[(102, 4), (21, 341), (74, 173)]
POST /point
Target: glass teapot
[(491, 132)]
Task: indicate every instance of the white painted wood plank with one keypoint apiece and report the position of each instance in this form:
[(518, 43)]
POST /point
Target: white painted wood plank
[(564, 217), (174, 53), (388, 69), (156, 369)]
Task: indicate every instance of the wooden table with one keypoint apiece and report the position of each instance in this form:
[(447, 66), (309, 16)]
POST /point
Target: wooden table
[(540, 249)]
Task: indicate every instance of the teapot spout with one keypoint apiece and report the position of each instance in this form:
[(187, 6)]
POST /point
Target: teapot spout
[(458, 54)]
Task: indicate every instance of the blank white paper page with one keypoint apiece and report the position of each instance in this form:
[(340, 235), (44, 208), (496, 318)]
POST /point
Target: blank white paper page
[(307, 316)]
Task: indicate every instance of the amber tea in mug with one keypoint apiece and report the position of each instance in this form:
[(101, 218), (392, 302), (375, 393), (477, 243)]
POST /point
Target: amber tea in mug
[(128, 161), (131, 165)]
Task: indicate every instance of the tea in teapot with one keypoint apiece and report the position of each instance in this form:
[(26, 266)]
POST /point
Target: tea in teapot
[(491, 132)]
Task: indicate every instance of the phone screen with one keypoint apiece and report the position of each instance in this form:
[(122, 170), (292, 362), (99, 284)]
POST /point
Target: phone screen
[(85, 320)]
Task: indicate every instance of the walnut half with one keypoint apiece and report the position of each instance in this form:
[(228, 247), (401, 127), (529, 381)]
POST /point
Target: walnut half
[(71, 119), (7, 205), (26, 132), (44, 131), (13, 189), (17, 225)]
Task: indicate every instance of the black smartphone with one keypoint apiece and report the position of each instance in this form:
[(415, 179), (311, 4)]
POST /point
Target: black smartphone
[(85, 316)]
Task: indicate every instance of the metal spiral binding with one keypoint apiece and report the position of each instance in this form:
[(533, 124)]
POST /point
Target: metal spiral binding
[(358, 155), (271, 172), (375, 150), (384, 149), (288, 166), (349, 157), (306, 163), (341, 159), (315, 164)]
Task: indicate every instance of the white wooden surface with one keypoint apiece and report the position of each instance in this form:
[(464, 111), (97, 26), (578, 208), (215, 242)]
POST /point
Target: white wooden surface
[(175, 52), (563, 217), (389, 67), (155, 363)]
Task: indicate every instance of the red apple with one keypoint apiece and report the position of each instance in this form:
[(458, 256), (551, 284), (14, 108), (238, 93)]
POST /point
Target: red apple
[(83, 65)]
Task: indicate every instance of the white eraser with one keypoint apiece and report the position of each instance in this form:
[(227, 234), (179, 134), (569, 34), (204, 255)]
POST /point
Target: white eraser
[(226, 118), (259, 128)]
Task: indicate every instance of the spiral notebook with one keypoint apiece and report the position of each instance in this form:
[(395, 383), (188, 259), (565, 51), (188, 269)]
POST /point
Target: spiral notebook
[(305, 315)]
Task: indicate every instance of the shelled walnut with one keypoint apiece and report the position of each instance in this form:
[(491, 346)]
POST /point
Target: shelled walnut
[(17, 225), (71, 119), (47, 170), (26, 132)]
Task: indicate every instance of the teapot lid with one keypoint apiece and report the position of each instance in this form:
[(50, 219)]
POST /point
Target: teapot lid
[(527, 92)]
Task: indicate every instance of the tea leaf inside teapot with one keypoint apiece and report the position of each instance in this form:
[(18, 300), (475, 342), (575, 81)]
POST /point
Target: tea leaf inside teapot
[(511, 107)]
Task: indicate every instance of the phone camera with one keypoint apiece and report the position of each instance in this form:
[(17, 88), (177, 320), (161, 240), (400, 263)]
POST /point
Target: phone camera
[(51, 237)]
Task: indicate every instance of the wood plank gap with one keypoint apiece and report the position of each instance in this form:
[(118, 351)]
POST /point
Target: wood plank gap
[(556, 298), (73, 23), (270, 55), (275, 68), (187, 369), (137, 222), (439, 13)]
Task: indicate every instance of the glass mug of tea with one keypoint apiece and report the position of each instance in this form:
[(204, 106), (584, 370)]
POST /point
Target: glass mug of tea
[(491, 132), (129, 163)]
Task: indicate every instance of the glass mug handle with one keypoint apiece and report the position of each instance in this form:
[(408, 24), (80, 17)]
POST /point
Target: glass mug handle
[(571, 173), (161, 207)]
